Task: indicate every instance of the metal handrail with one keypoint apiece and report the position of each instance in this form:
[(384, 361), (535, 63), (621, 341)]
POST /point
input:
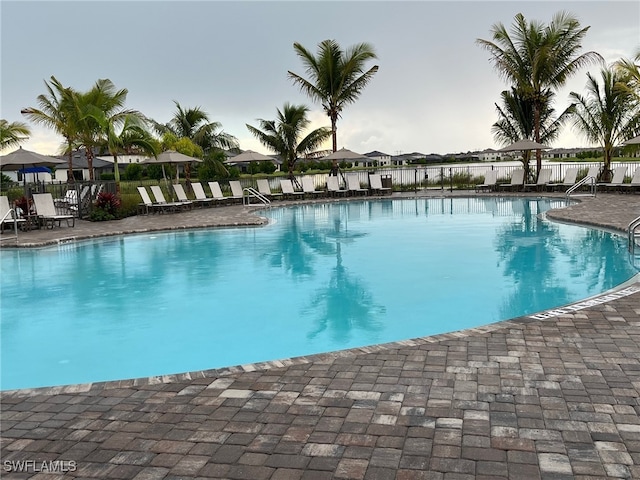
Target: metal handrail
[(581, 183), (631, 234), (252, 192), (13, 214)]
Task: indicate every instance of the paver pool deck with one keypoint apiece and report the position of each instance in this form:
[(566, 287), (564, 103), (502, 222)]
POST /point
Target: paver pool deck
[(548, 398)]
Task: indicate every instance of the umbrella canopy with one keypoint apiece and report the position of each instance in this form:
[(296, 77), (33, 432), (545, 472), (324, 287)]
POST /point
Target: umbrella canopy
[(522, 145), (35, 170), (22, 158), (249, 156), (171, 156), (633, 141), (344, 154)]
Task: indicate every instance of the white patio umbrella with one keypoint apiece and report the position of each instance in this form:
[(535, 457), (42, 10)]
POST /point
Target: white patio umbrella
[(171, 156), (524, 145), (249, 156)]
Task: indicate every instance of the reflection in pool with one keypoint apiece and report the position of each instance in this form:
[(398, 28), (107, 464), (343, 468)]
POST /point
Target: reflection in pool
[(319, 278)]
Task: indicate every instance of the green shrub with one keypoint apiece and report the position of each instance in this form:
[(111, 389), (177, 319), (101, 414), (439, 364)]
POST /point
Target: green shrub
[(107, 176), (133, 171)]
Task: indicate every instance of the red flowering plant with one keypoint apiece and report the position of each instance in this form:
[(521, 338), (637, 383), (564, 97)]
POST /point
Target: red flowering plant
[(105, 207)]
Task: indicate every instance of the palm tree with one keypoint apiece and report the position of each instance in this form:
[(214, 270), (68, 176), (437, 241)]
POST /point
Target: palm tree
[(194, 123), (538, 59), (336, 77), (607, 115), (13, 134), (630, 72), (516, 121), (283, 135), (101, 102), (132, 137), (55, 110)]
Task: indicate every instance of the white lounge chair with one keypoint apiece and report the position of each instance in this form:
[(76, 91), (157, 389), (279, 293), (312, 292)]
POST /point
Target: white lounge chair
[(182, 196), (635, 181), (569, 181), (8, 215), (544, 177), (288, 190), (517, 179), (353, 185), (147, 205), (201, 197), (46, 211), (236, 190), (333, 187), (216, 192), (375, 183), (617, 180), (308, 188), (160, 200), (490, 180), (265, 189)]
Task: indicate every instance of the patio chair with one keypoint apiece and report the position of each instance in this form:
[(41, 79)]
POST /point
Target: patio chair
[(333, 187), (490, 180), (375, 182), (569, 181), (353, 186), (217, 194), (617, 180), (635, 181), (308, 188), (265, 189), (287, 189), (517, 179), (201, 197), (182, 196), (147, 205), (46, 211), (236, 190), (160, 200), (7, 215), (544, 177)]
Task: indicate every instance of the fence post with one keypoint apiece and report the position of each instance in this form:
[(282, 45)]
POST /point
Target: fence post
[(451, 179)]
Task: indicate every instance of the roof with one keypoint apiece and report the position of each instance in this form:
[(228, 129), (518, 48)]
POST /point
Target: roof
[(376, 153)]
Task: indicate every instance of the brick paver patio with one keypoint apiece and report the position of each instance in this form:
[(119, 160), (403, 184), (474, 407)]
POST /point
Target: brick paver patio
[(552, 398)]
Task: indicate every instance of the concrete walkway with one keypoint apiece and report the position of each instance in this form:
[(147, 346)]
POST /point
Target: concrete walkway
[(553, 398)]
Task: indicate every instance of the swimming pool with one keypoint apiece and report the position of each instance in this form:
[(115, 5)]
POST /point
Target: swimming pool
[(318, 278)]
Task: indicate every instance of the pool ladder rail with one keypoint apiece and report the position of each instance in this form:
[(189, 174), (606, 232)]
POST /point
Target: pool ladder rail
[(633, 235), (12, 215), (586, 180), (249, 192)]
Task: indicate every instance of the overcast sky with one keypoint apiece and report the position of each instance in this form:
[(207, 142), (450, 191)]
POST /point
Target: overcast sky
[(434, 92)]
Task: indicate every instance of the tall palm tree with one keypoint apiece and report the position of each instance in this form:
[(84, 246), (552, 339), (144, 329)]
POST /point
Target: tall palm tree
[(102, 101), (56, 110), (538, 59), (630, 72), (13, 134), (194, 123), (131, 136), (336, 77), (284, 134), (607, 114), (516, 121)]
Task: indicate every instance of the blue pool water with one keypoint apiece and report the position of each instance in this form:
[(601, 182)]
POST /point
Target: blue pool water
[(318, 278)]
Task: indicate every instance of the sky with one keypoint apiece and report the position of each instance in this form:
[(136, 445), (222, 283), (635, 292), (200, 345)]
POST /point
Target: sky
[(435, 91)]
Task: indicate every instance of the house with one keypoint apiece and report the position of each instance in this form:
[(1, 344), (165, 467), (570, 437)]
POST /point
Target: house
[(382, 159)]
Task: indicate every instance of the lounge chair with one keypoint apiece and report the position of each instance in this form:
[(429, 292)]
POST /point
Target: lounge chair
[(287, 189), (375, 182), (182, 196), (236, 190), (333, 187), (147, 205), (265, 189), (490, 180), (635, 181), (46, 211), (217, 194), (7, 215), (160, 200), (353, 185), (517, 179), (308, 188), (617, 180), (569, 181), (201, 197), (544, 178)]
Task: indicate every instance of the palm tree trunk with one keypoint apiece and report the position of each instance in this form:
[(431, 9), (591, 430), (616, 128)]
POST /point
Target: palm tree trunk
[(89, 154), (116, 173), (536, 130), (70, 177)]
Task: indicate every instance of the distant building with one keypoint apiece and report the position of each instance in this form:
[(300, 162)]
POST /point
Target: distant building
[(383, 159)]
